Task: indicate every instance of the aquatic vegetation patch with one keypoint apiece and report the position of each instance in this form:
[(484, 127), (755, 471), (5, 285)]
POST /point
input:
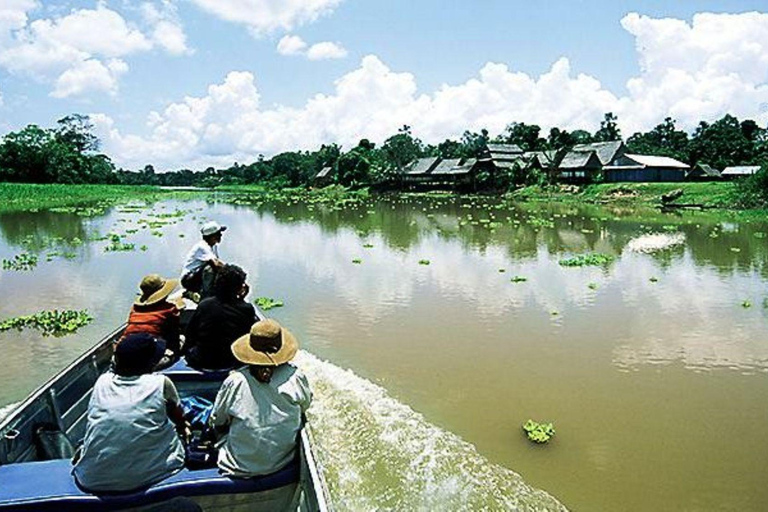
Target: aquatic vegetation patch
[(21, 262), (519, 279), (357, 261), (267, 303), (56, 323), (539, 432), (592, 286), (424, 262), (593, 259), (746, 304), (368, 246), (653, 279)]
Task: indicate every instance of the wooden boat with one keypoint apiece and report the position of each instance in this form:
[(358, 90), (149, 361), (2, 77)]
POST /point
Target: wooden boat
[(30, 482)]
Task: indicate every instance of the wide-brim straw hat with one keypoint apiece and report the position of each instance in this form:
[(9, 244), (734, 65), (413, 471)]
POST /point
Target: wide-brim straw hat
[(154, 289), (268, 344)]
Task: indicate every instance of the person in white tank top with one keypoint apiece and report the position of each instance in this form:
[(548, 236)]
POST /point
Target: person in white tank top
[(131, 438)]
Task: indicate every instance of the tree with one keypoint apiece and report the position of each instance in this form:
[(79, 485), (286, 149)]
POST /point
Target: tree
[(401, 149), (609, 130), (582, 137), (474, 143), (721, 144), (663, 140), (524, 135), (560, 139), (75, 130)]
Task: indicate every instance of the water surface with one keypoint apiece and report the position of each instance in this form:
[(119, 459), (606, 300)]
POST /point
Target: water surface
[(651, 368)]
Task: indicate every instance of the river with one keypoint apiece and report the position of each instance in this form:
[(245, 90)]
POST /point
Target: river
[(433, 328)]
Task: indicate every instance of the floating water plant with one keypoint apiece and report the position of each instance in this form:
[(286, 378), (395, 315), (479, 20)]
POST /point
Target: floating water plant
[(357, 261), (21, 262), (746, 304), (539, 432), (119, 247), (502, 270), (653, 279), (56, 323), (368, 246), (423, 262), (592, 286), (519, 279), (582, 260), (266, 303)]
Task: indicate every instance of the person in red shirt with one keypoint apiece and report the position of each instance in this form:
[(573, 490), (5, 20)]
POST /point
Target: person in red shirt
[(154, 314)]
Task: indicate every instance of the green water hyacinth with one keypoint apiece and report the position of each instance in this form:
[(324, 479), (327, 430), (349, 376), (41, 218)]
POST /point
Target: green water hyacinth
[(423, 262), (55, 323), (583, 260), (21, 262), (266, 303), (518, 279), (539, 432)]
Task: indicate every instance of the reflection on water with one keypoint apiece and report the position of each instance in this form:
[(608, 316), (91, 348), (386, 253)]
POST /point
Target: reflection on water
[(642, 365)]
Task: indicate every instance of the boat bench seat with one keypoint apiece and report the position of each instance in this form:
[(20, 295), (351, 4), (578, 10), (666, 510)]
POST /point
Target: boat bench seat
[(49, 486)]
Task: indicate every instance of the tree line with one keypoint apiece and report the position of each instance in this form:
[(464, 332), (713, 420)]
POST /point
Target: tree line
[(69, 153)]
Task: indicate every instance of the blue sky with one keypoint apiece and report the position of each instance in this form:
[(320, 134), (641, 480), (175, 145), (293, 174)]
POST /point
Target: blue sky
[(199, 82)]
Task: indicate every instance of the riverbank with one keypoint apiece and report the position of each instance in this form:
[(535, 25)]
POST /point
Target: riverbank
[(28, 196), (705, 195)]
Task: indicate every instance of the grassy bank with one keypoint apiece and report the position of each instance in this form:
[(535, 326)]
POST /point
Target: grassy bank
[(22, 196), (708, 195)]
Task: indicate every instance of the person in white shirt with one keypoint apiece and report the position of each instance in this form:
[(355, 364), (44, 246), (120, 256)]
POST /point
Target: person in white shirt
[(261, 406), (133, 423), (202, 261)]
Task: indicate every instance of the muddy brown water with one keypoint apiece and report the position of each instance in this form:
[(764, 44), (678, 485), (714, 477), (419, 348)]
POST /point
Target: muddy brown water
[(653, 368)]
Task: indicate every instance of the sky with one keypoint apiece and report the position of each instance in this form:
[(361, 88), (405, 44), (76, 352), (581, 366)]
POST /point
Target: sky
[(197, 83)]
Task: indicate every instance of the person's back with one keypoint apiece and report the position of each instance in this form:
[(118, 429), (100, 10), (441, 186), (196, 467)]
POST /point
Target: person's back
[(261, 406), (264, 420), (218, 321), (130, 441)]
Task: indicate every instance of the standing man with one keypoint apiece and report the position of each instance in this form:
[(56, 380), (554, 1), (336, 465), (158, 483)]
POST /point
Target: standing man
[(202, 262)]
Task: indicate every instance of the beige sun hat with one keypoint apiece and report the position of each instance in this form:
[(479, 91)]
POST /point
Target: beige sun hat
[(154, 289), (268, 344)]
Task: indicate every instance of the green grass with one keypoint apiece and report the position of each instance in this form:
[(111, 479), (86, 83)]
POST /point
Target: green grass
[(707, 194), (23, 196)]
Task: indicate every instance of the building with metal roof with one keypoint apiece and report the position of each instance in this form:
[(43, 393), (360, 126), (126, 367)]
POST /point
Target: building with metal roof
[(645, 168), (703, 172), (740, 171)]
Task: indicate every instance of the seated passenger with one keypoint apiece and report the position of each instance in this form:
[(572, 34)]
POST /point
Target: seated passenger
[(202, 262), (218, 321), (130, 440), (154, 314), (260, 407)]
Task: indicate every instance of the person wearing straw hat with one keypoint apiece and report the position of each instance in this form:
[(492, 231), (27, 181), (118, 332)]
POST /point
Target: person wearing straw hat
[(261, 406), (133, 423), (153, 313), (202, 261)]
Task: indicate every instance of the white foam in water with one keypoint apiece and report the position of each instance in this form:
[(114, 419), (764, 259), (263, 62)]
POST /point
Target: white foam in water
[(7, 409), (653, 242), (378, 454)]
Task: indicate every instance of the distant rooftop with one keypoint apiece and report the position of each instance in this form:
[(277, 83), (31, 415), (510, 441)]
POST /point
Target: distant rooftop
[(741, 170)]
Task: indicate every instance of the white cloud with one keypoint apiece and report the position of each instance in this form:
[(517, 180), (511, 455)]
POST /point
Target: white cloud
[(89, 75), (291, 45), (716, 64), (326, 50), (294, 45), (262, 16), (84, 50), (229, 123), (167, 31)]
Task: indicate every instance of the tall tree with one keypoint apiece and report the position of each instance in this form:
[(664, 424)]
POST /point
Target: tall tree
[(524, 135), (721, 144), (609, 129), (663, 140)]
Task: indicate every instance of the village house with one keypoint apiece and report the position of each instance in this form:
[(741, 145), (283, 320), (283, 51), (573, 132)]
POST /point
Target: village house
[(703, 172), (584, 161), (739, 171), (418, 171), (645, 168), (324, 177)]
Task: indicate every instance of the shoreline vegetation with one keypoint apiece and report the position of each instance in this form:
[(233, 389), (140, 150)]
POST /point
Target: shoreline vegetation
[(707, 195), (68, 154)]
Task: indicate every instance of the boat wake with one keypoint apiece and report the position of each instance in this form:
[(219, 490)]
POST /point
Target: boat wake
[(378, 454)]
